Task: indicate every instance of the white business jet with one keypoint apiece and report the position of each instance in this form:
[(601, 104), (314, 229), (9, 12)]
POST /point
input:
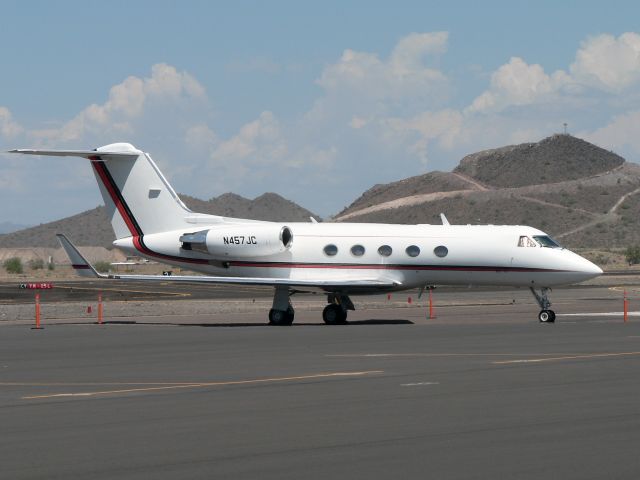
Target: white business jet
[(338, 259)]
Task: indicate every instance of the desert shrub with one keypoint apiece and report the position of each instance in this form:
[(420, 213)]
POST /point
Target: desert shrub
[(51, 266), (102, 266), (632, 254), (13, 265), (36, 264)]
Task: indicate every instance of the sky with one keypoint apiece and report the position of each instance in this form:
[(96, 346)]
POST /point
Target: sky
[(316, 101)]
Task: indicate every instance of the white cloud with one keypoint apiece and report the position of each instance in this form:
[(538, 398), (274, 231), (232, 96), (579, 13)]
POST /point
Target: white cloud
[(200, 137), (8, 128), (518, 83), (259, 142), (443, 126), (126, 102), (403, 75), (358, 122), (621, 134), (314, 158), (608, 63), (602, 63)]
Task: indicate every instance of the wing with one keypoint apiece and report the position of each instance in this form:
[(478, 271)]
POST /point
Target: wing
[(85, 269)]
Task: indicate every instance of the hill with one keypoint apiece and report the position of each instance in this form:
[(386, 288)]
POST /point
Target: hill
[(93, 228), (554, 159), (576, 191)]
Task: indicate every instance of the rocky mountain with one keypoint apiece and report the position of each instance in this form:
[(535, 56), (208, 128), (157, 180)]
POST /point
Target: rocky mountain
[(93, 228), (578, 192), (268, 206), (552, 160)]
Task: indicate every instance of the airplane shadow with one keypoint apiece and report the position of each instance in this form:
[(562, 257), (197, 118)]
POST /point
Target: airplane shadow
[(258, 324)]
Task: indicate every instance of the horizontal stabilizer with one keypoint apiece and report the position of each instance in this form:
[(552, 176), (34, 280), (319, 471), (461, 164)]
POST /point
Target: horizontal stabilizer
[(90, 154)]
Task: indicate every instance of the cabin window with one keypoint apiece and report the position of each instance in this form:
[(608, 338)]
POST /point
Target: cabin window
[(413, 251), (330, 250), (357, 250), (441, 251), (525, 241), (546, 241), (385, 250)]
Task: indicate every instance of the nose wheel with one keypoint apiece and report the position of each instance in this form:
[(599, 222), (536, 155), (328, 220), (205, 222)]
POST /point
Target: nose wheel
[(281, 317), (546, 315), (281, 313)]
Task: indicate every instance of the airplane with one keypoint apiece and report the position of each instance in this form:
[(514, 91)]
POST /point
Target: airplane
[(337, 259)]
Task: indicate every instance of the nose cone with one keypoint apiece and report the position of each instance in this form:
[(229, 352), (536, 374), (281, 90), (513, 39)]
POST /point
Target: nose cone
[(588, 269)]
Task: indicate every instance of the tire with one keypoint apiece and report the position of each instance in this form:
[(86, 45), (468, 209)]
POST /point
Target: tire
[(334, 315), (290, 315), (546, 316), (280, 317)]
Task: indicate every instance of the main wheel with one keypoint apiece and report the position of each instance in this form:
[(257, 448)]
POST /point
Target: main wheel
[(334, 315), (547, 316), (281, 317)]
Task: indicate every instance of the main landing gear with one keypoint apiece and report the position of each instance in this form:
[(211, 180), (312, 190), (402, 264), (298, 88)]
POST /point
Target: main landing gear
[(546, 315), (336, 312), (282, 313)]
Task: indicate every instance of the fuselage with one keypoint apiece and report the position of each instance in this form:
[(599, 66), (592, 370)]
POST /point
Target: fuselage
[(409, 255)]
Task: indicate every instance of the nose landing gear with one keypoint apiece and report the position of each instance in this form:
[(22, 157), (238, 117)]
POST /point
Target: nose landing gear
[(546, 315), (281, 313)]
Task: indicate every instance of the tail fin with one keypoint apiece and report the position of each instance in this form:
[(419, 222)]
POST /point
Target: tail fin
[(138, 198)]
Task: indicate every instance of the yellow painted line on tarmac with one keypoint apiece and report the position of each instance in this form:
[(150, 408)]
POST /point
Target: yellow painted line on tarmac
[(205, 384), (568, 357), (148, 292)]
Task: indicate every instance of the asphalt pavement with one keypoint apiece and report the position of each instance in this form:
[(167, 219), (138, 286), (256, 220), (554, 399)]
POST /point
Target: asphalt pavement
[(483, 391)]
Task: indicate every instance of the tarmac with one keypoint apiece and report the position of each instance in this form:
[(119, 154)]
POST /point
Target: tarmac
[(481, 391)]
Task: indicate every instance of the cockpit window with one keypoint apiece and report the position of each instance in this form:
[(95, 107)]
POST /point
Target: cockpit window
[(546, 241), (525, 241)]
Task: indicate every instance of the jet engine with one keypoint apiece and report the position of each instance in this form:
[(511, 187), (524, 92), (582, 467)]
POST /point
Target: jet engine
[(239, 241)]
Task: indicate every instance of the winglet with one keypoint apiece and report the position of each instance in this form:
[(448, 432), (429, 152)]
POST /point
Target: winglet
[(78, 262), (444, 219)]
